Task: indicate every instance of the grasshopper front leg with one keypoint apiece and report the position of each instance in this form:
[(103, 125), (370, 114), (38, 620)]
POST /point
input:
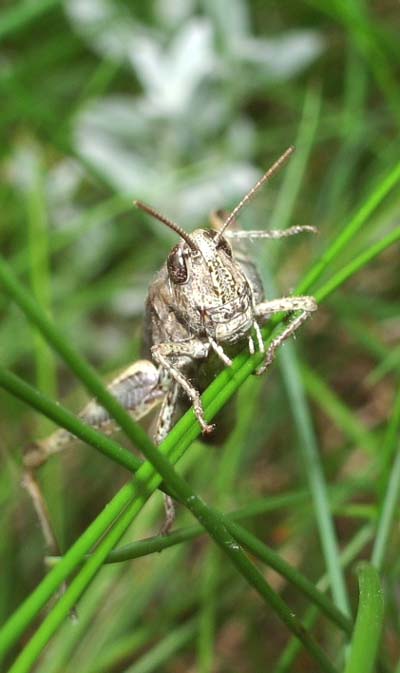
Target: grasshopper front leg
[(307, 305), (138, 389), (170, 355), (272, 234)]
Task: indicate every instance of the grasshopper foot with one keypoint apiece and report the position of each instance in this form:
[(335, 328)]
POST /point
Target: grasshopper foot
[(208, 428), (170, 514)]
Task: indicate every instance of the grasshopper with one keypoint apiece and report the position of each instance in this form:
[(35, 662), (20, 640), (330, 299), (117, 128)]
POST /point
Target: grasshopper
[(203, 307)]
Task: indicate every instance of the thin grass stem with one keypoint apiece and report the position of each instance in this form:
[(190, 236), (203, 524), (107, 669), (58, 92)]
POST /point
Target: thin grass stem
[(369, 622)]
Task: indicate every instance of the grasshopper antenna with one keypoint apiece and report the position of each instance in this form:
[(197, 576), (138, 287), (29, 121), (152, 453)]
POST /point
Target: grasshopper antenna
[(165, 220), (270, 172)]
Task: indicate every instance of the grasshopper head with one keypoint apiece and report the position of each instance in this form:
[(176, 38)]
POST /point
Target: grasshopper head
[(209, 289)]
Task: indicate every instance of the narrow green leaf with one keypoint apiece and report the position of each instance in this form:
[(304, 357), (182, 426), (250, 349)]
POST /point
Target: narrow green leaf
[(22, 13), (392, 487), (350, 231), (355, 546), (369, 621), (358, 263), (158, 656), (334, 408)]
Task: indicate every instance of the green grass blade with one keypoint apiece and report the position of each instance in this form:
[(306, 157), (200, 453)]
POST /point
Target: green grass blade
[(158, 543), (120, 651), (28, 610), (310, 458), (368, 627), (40, 279), (262, 552), (38, 246), (250, 542), (149, 481), (213, 522), (390, 444), (78, 226), (296, 168), (351, 229), (18, 16), (159, 655), (334, 408), (391, 482), (363, 32), (357, 544), (302, 416), (388, 515), (206, 636), (358, 263), (390, 362)]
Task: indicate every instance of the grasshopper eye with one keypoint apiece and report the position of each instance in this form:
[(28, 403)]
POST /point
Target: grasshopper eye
[(176, 265)]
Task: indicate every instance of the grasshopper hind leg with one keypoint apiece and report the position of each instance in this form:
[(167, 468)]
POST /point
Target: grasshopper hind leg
[(138, 390), (165, 420)]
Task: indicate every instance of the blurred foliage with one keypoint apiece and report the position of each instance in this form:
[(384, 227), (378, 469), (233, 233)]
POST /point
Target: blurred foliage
[(183, 104)]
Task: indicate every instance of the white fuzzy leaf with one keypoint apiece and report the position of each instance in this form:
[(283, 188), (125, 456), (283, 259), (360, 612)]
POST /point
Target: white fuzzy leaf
[(105, 26), (282, 56), (170, 75)]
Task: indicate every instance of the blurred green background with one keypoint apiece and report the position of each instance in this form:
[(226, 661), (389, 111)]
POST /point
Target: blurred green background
[(183, 104)]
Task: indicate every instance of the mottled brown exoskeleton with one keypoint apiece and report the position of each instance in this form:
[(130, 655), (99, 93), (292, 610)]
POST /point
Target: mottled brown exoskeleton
[(203, 307)]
